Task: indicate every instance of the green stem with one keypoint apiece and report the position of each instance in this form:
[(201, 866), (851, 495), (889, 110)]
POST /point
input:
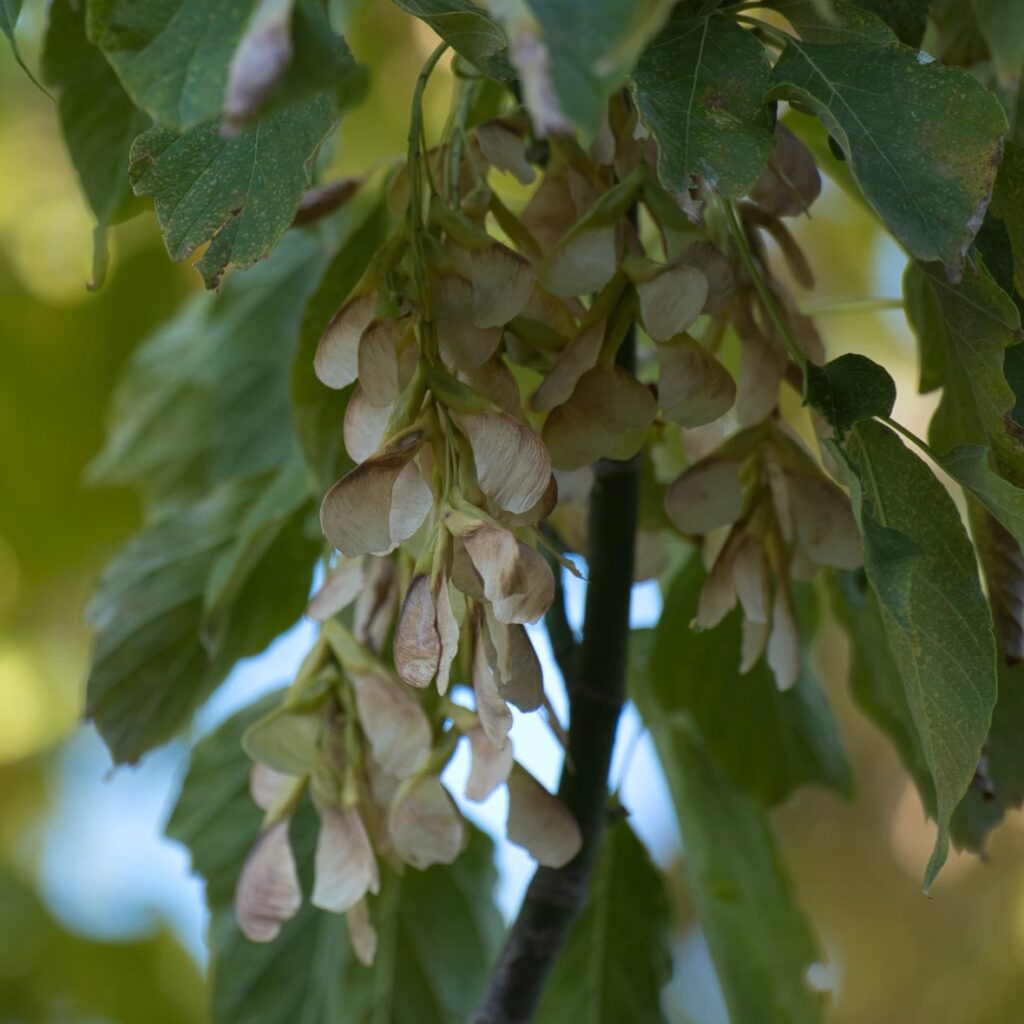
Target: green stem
[(851, 306), (767, 299), (597, 692)]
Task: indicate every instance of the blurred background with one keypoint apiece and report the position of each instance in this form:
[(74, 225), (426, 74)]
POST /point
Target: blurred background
[(100, 920)]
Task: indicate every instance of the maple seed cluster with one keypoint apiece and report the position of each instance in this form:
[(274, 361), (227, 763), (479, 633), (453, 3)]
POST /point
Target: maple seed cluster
[(480, 352)]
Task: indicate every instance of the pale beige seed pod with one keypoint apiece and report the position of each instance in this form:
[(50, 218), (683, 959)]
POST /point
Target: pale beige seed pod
[(265, 784), (514, 663), (268, 892), (340, 588), (387, 360), (606, 417), (790, 182), (504, 149), (705, 496), (463, 345), (783, 651), (364, 425), (582, 262), (494, 714), (361, 933), (345, 867), (336, 362), (718, 595), (823, 521), (490, 765), (694, 388), (424, 824), (417, 646), (513, 467), (540, 822), (380, 503), (394, 723), (717, 271), (579, 356), (502, 282), (671, 300)]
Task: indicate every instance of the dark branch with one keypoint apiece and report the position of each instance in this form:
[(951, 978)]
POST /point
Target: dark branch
[(596, 686)]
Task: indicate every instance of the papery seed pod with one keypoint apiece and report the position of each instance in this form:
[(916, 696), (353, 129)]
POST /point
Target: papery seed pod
[(376, 604), (490, 765), (790, 182), (754, 636), (513, 467), (361, 934), (584, 261), (345, 868), (783, 651), (533, 515), (385, 364), (606, 417), (824, 523), (717, 271), (579, 356), (394, 723), (761, 369), (750, 573), (447, 632), (336, 362), (380, 503), (417, 646), (463, 345), (514, 663), (502, 282), (495, 381), (705, 496), (560, 199), (540, 822), (268, 892), (340, 588), (694, 388), (424, 824), (718, 595), (504, 149), (517, 581), (494, 714), (364, 425), (265, 784), (671, 301)]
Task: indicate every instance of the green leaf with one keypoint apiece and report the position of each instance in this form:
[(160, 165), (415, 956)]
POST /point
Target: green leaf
[(700, 89), (206, 397), (922, 567), (98, 120), (588, 50), (969, 466), (922, 139), (616, 957), (1002, 567), (793, 732), (174, 56), (469, 30), (907, 18), (1008, 206), (964, 331), (239, 194), (149, 668), (438, 929), (850, 389), (1001, 786), (318, 411), (759, 940), (259, 587), (847, 24), (875, 679), (9, 11), (1001, 24)]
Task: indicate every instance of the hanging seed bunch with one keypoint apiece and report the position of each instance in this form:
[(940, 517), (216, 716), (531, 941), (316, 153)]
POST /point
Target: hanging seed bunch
[(482, 354)]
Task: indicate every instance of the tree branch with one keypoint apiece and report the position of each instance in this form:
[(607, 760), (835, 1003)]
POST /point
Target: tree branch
[(596, 694)]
